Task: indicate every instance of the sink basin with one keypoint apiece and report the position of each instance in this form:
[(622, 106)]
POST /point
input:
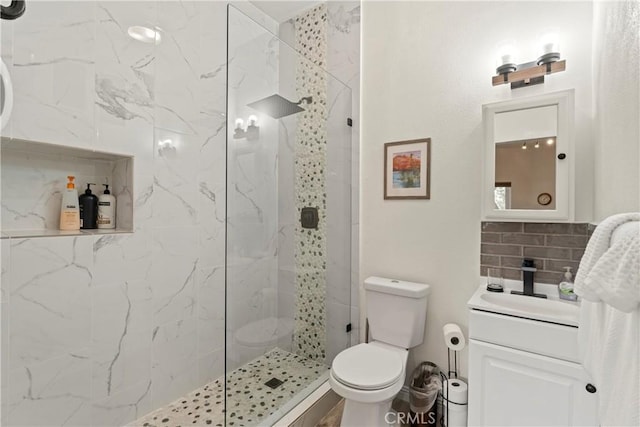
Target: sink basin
[(550, 309), (533, 305)]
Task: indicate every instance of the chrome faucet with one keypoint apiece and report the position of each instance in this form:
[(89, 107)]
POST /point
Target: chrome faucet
[(528, 269)]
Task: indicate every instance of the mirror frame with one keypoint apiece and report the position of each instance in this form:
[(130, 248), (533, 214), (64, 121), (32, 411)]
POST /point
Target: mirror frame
[(565, 169)]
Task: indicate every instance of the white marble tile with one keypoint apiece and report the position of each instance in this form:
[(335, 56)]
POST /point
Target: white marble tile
[(4, 362), (211, 309), (177, 68), (174, 288), (54, 73), (5, 268), (121, 336), (50, 297), (122, 187), (211, 196), (338, 316), (211, 366), (121, 257), (143, 201), (123, 407), (211, 67), (175, 193), (124, 86), (249, 286), (54, 392), (174, 363), (343, 40)]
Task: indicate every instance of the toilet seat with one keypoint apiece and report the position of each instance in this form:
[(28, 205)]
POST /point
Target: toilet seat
[(367, 367)]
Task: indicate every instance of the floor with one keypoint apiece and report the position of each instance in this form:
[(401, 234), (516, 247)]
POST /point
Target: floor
[(249, 400), (332, 419)]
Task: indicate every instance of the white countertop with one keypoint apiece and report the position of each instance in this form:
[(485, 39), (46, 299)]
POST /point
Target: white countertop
[(550, 309)]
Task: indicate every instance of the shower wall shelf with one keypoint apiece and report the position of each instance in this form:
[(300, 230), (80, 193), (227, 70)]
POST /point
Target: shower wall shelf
[(34, 174)]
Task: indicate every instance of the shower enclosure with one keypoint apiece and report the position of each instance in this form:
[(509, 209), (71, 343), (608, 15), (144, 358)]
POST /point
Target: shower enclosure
[(288, 218)]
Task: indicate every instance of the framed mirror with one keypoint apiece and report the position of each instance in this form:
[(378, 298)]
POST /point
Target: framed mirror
[(528, 161)]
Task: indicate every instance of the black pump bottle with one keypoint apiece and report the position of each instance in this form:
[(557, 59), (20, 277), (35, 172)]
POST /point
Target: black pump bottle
[(88, 209)]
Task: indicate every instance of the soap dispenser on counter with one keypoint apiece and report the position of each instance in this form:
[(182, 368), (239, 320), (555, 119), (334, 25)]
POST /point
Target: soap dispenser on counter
[(88, 209), (565, 288), (106, 209)]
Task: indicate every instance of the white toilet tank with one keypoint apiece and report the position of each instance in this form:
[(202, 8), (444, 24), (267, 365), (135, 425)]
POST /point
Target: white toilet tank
[(396, 311)]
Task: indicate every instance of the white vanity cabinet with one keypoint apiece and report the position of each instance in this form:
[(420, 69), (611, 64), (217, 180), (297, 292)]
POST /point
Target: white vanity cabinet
[(523, 363), (509, 387)]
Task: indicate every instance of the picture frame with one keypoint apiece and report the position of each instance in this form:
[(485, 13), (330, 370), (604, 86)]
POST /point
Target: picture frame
[(407, 169)]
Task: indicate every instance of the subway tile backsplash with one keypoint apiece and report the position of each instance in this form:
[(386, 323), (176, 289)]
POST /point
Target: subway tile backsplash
[(552, 246)]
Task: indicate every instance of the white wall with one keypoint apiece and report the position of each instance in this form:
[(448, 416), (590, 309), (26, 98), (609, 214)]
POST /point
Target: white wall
[(617, 107), (427, 69)]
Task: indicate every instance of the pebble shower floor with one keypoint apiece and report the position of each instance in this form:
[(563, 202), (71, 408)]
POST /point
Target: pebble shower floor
[(249, 400)]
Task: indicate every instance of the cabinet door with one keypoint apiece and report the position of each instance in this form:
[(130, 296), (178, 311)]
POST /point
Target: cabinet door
[(510, 387)]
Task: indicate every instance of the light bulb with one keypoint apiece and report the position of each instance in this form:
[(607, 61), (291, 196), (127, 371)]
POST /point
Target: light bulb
[(550, 141), (524, 145), (549, 48), (506, 54), (549, 43), (506, 58), (537, 145)]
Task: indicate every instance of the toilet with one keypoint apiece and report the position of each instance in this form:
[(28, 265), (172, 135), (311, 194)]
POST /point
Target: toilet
[(370, 375)]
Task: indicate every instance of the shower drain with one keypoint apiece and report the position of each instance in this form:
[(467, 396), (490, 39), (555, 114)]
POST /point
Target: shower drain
[(274, 383)]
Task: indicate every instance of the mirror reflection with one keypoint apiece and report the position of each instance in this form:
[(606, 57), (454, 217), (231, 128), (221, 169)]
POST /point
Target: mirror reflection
[(525, 174), (525, 158)]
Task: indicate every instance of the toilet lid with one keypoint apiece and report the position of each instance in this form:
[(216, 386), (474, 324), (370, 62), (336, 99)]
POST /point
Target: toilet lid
[(367, 367)]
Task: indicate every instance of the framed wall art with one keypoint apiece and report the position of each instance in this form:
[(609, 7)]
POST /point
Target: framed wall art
[(407, 171)]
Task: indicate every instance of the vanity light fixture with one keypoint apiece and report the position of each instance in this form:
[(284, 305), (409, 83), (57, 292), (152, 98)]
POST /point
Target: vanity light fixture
[(537, 145), (529, 73), (524, 145), (550, 141), (252, 132)]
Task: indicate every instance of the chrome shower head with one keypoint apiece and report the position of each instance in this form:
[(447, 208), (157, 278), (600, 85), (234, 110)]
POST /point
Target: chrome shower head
[(278, 107)]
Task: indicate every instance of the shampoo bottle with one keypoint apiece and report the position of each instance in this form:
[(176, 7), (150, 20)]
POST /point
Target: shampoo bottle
[(88, 209), (565, 288), (106, 209), (69, 210)]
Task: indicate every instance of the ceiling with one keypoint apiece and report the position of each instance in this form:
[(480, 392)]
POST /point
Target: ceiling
[(283, 10)]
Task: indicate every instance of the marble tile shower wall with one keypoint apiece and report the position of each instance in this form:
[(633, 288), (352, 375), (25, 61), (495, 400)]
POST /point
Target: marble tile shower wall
[(98, 330)]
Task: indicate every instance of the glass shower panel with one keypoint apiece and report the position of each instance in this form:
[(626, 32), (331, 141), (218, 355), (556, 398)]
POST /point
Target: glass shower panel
[(288, 223)]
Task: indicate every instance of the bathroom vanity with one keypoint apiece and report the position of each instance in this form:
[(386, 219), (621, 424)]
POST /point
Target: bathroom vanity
[(523, 361)]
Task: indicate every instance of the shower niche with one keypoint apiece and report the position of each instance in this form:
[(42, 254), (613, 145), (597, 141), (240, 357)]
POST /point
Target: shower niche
[(34, 174)]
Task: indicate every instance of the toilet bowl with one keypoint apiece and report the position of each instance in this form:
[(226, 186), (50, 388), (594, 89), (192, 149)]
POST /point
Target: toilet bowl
[(370, 375)]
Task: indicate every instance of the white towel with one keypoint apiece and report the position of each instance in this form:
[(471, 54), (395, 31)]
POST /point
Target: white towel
[(609, 335)]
